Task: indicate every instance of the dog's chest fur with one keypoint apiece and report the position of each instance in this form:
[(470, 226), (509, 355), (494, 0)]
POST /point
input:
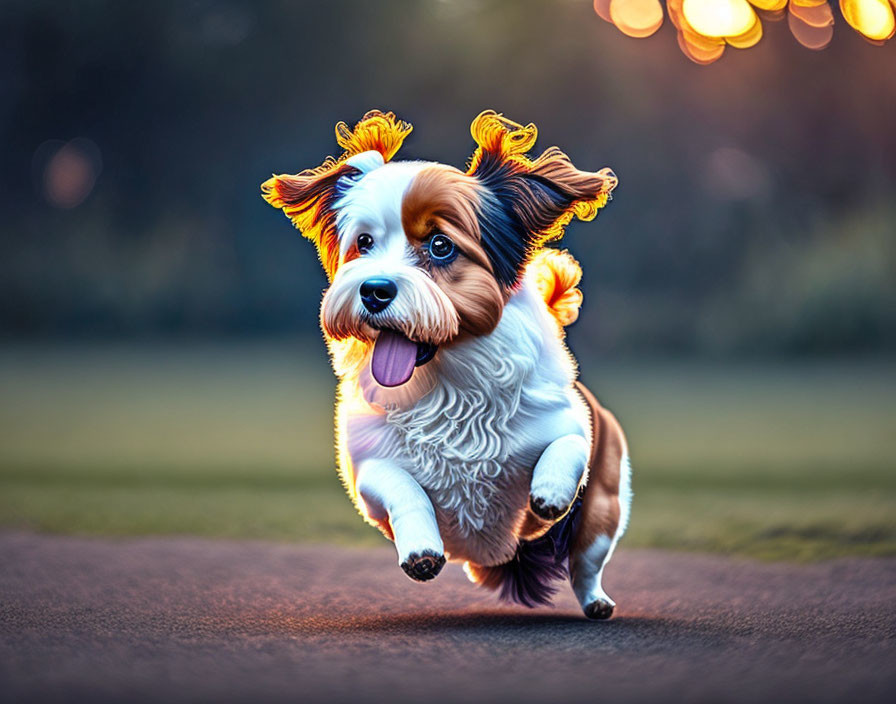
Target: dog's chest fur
[(472, 441), (467, 446)]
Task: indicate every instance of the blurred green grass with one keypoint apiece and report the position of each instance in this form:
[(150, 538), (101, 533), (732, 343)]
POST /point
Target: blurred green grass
[(776, 461)]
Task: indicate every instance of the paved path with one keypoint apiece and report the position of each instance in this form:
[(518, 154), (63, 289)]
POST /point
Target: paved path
[(183, 619)]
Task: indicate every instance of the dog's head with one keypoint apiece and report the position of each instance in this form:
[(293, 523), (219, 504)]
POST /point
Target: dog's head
[(420, 254)]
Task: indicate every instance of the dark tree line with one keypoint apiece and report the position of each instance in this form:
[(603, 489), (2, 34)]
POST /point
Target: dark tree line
[(755, 212)]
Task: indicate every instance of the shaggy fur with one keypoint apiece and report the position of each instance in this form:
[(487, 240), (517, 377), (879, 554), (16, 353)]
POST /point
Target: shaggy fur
[(469, 439)]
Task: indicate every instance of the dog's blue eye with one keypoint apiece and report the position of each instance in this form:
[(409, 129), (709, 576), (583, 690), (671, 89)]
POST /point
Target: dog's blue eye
[(365, 242), (442, 250)]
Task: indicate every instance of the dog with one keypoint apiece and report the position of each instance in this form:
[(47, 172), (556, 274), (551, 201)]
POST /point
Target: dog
[(462, 431)]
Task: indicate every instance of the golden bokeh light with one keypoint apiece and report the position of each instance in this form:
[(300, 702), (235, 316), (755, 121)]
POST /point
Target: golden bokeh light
[(692, 36), (674, 9), (719, 18), (699, 53), (769, 5), (706, 27), (749, 38), (636, 18), (872, 18)]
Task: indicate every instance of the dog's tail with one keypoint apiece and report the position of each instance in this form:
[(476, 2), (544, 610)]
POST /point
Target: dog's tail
[(529, 577), (557, 275)]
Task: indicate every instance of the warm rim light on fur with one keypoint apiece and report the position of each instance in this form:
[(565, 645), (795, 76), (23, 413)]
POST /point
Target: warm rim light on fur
[(557, 275), (461, 430), (308, 197), (508, 142)]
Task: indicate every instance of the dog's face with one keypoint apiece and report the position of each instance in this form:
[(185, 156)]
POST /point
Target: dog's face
[(413, 274), (420, 254)]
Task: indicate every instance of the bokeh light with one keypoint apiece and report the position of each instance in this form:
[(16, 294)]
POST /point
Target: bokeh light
[(69, 171), (872, 18), (719, 18), (636, 18), (748, 38), (811, 25), (769, 5), (705, 27), (602, 8)]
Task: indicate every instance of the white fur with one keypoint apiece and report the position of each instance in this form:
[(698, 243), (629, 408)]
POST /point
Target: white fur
[(373, 206), (366, 161), (447, 458), (560, 470), (390, 492), (586, 572), (470, 426)]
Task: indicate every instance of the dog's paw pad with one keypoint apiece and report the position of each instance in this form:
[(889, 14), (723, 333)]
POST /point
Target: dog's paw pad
[(541, 508), (423, 566), (599, 609)]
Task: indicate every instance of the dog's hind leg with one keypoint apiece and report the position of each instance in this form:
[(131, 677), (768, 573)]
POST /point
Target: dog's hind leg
[(604, 512)]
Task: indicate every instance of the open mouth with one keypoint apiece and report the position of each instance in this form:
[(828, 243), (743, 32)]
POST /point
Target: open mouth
[(395, 356)]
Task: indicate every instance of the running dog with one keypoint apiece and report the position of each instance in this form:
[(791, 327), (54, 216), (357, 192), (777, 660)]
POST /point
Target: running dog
[(462, 432)]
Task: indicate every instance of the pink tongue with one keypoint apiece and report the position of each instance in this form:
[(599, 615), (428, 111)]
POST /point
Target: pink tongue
[(394, 357)]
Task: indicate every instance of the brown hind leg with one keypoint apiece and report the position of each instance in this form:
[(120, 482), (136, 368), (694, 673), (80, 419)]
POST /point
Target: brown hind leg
[(605, 508)]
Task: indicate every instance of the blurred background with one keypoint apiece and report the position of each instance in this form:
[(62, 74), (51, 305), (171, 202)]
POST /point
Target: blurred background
[(161, 367)]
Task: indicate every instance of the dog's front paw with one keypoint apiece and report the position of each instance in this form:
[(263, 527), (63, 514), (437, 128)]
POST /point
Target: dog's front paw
[(423, 566), (546, 508)]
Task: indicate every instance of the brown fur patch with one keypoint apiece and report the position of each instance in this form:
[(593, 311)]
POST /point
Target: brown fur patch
[(600, 506), (442, 199), (487, 577)]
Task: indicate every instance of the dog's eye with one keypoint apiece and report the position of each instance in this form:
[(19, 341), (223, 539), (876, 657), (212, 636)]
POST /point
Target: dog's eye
[(365, 242), (442, 250)]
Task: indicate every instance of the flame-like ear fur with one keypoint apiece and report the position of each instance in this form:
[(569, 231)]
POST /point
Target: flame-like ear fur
[(529, 201), (307, 198), (557, 275)]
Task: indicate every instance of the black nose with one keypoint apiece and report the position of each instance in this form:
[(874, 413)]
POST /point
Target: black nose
[(376, 294)]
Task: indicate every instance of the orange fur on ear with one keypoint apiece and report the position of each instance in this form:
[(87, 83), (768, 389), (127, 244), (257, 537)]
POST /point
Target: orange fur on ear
[(543, 194), (557, 275), (308, 197)]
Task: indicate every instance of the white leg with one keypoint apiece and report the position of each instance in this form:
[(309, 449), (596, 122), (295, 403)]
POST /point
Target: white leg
[(586, 567), (390, 492), (557, 474)]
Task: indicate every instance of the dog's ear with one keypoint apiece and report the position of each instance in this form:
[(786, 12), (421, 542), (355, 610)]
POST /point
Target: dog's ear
[(308, 198), (527, 202)]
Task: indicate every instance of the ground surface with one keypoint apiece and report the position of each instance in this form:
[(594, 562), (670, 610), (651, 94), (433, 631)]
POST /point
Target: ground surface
[(184, 619), (788, 461)]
